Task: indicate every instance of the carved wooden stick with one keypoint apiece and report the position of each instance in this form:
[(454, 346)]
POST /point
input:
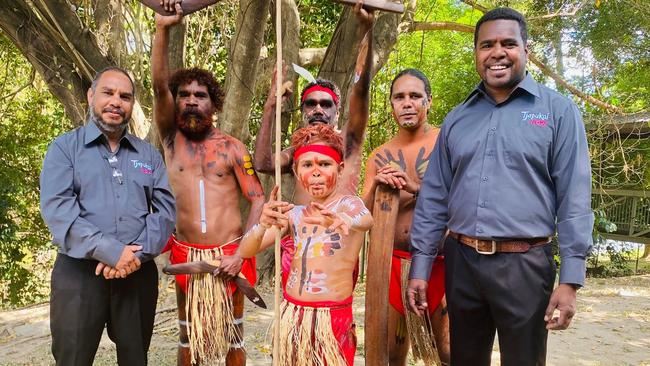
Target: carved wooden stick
[(385, 5), (380, 252), (188, 6)]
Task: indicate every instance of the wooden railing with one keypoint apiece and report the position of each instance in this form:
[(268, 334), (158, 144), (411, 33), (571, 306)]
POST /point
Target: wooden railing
[(629, 210)]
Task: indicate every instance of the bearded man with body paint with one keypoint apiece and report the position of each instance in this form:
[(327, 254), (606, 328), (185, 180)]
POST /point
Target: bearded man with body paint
[(316, 324), (319, 104), (400, 163), (208, 171)]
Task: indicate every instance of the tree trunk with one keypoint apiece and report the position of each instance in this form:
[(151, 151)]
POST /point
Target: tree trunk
[(243, 58), (340, 58), (52, 38)]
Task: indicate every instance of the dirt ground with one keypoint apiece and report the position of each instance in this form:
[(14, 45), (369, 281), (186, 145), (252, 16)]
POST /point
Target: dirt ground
[(612, 327)]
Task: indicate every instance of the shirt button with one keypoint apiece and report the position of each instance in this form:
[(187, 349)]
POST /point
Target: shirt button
[(484, 179), (482, 204), (121, 219), (493, 129)]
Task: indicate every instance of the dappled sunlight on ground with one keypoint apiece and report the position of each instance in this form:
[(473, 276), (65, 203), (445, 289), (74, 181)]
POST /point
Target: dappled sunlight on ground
[(611, 327)]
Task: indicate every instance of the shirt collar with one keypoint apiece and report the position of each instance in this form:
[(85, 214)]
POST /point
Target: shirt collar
[(92, 133), (528, 84)]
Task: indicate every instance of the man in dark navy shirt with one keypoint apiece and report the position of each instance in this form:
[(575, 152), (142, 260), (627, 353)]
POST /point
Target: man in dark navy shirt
[(510, 168), (107, 202)]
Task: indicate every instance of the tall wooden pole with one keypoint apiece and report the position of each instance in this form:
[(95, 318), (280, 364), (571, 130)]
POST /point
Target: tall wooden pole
[(278, 174), (380, 252)]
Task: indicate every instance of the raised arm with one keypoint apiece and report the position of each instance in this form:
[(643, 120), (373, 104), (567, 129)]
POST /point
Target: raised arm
[(355, 129), (163, 111), (264, 156)]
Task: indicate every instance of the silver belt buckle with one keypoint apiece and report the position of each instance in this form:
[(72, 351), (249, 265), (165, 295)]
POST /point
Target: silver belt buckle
[(490, 252)]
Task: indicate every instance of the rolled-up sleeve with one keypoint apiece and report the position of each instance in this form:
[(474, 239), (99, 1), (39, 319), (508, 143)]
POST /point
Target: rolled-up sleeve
[(61, 212), (571, 174), (430, 216), (159, 223)]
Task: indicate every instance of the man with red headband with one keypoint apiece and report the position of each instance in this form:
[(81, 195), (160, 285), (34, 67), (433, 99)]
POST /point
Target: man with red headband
[(207, 171), (316, 326), (319, 104)]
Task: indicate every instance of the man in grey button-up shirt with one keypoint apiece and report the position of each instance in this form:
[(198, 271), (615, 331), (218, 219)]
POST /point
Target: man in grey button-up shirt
[(107, 202), (511, 167)]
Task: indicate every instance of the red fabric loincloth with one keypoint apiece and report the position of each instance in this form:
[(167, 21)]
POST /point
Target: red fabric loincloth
[(179, 251), (289, 249), (342, 323), (435, 290)]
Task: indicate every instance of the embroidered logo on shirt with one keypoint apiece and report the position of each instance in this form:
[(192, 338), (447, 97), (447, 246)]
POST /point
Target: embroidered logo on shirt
[(535, 119), (144, 167)]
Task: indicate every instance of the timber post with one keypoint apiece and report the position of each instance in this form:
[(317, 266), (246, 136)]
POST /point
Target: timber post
[(380, 252), (188, 6)]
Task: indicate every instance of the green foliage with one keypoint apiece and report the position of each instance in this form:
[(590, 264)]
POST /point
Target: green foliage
[(29, 119)]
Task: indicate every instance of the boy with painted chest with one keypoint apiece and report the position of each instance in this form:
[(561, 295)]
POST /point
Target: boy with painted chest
[(316, 325)]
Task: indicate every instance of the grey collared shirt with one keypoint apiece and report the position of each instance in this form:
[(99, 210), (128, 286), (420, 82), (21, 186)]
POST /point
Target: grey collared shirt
[(95, 201), (518, 169)]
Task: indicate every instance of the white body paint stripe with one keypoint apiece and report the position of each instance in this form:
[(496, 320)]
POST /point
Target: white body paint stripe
[(204, 226)]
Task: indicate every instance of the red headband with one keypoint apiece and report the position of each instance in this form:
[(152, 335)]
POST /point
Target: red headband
[(321, 149), (320, 88)]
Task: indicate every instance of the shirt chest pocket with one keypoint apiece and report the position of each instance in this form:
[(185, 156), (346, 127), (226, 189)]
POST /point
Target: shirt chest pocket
[(140, 188), (526, 145)]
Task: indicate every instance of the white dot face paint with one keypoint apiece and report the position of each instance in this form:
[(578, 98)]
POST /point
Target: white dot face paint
[(204, 223)]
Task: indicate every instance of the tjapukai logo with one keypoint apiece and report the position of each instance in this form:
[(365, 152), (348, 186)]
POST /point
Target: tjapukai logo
[(144, 167), (535, 119)]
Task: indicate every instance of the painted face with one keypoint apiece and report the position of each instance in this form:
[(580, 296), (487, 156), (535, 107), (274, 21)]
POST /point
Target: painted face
[(317, 173), (319, 107), (111, 103), (500, 56), (194, 110), (410, 102)]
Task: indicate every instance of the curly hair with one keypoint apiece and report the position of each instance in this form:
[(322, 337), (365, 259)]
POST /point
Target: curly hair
[(503, 13), (202, 77), (325, 84), (323, 134)]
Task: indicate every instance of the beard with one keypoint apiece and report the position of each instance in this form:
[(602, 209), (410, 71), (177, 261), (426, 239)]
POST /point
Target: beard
[(193, 124), (320, 119), (103, 125)]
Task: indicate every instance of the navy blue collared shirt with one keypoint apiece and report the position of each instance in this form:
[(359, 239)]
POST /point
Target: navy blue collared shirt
[(517, 169), (95, 201)]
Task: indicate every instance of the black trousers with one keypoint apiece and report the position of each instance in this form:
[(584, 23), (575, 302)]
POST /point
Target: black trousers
[(504, 292), (82, 304)]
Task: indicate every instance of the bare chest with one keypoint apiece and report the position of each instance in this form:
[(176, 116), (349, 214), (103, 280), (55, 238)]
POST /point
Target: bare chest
[(412, 159), (210, 159)]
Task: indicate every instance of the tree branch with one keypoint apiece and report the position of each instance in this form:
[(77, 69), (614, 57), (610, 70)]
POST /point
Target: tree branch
[(558, 79), (419, 26), (424, 26), (558, 14), (476, 6)]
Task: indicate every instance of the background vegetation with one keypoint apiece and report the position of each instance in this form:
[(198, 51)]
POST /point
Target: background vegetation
[(595, 51)]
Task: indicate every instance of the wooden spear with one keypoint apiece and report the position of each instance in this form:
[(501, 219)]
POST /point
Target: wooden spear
[(278, 174)]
